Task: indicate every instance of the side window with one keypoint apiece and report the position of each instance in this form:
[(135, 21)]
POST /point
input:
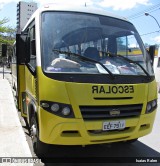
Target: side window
[(127, 45), (32, 47), (122, 45)]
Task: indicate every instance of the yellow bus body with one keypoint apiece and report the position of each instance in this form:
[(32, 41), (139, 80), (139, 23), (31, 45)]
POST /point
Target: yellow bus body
[(76, 131)]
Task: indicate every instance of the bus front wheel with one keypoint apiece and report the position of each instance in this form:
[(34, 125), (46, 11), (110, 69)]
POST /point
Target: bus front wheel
[(39, 147)]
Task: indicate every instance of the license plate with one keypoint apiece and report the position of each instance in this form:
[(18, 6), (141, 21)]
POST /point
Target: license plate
[(114, 125)]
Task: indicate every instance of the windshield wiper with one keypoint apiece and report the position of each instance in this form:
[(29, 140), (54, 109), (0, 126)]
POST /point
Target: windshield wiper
[(129, 60), (86, 59)]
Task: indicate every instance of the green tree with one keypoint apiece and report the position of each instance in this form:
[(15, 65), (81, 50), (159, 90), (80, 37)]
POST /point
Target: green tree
[(7, 34)]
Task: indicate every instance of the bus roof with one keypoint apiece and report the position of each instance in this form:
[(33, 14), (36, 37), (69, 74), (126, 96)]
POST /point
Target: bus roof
[(72, 8)]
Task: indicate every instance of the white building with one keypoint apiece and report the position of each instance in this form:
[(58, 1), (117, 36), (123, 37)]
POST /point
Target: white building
[(24, 12)]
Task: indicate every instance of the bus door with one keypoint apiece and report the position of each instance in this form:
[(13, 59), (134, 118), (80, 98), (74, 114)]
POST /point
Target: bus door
[(30, 68), (20, 54), (26, 68)]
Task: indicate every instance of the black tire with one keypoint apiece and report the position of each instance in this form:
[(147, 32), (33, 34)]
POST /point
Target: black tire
[(27, 125), (39, 147)]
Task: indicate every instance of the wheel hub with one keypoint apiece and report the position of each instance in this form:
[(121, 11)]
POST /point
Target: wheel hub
[(34, 133)]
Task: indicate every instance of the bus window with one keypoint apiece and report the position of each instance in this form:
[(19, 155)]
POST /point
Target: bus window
[(128, 46), (32, 52)]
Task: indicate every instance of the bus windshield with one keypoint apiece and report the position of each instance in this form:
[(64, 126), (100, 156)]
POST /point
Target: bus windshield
[(100, 38)]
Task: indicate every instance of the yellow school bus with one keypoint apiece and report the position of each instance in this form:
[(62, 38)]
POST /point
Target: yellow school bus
[(74, 85)]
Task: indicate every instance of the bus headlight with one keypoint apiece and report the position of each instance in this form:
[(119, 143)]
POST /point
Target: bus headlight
[(55, 107), (66, 111), (151, 106), (154, 103), (59, 109)]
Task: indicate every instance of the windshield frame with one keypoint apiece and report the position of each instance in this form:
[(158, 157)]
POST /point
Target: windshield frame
[(61, 74)]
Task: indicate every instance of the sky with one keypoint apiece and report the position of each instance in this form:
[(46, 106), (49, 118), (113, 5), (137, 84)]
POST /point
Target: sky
[(133, 10)]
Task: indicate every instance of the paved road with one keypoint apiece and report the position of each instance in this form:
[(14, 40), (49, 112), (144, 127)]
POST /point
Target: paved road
[(148, 146)]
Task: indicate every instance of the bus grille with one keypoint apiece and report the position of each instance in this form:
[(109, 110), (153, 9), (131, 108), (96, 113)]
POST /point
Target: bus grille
[(110, 112)]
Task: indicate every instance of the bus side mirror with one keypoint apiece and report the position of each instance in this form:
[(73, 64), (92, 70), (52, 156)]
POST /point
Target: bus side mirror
[(21, 49), (4, 50), (151, 52)]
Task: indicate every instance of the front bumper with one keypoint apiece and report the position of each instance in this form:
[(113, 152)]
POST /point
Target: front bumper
[(61, 131)]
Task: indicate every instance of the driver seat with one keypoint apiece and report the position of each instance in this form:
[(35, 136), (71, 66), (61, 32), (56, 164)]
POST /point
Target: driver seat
[(92, 53)]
